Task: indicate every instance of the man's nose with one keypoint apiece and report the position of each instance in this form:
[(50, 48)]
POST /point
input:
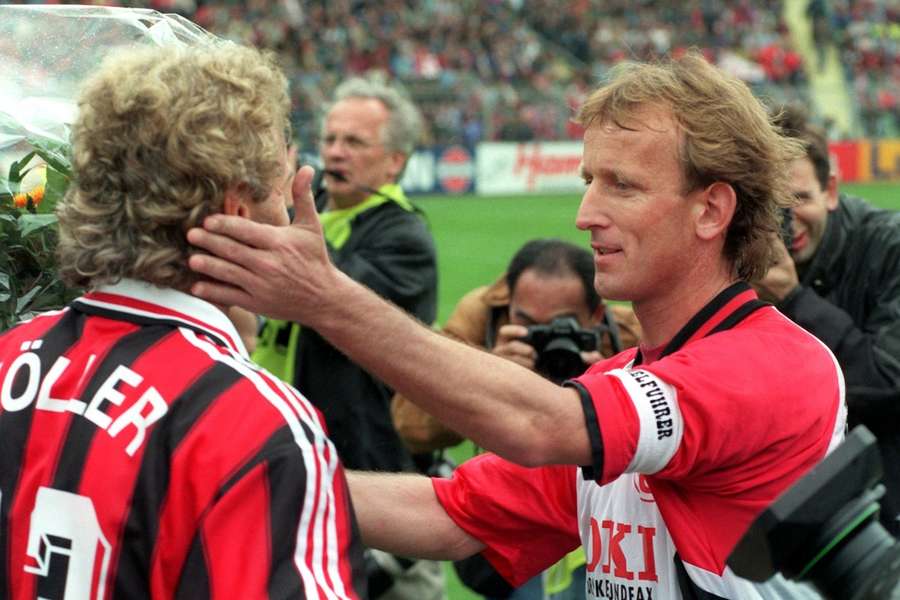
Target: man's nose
[(590, 211)]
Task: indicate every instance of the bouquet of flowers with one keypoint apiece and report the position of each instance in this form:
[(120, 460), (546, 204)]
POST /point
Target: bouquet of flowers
[(47, 52)]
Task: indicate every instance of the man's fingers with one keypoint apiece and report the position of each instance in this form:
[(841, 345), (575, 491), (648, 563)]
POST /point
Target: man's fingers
[(221, 245), (510, 332), (304, 205), (591, 357), (221, 270), (244, 230), (221, 294)]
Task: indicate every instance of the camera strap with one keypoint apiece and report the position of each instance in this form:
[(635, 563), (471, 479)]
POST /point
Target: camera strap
[(611, 328), (491, 327)]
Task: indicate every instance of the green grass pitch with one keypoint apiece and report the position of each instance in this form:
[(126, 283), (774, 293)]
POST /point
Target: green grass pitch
[(477, 235)]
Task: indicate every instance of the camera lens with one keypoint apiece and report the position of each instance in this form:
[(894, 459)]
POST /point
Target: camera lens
[(560, 360), (858, 559)]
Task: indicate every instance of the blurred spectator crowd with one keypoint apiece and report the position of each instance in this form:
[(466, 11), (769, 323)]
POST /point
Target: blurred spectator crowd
[(867, 36), (517, 69)]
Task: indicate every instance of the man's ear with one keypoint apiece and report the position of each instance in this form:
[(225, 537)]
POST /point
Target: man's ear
[(397, 160), (831, 192), (715, 209), (235, 202)]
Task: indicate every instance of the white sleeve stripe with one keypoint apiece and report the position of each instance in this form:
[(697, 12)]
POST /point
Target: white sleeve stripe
[(659, 417), (316, 474), (326, 496)]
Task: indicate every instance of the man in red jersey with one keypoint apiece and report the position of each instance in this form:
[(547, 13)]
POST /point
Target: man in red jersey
[(681, 442), (143, 454)]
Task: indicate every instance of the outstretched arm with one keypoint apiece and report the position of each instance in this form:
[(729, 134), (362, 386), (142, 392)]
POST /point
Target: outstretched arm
[(400, 514), (285, 272)]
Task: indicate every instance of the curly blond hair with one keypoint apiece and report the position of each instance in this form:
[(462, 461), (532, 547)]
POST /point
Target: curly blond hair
[(726, 137), (161, 134)]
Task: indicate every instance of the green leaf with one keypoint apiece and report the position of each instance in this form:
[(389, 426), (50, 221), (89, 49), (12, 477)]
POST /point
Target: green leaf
[(28, 223), (54, 153), (5, 292), (15, 169), (25, 300), (54, 190)]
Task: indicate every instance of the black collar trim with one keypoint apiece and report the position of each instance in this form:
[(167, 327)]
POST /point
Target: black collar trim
[(707, 313)]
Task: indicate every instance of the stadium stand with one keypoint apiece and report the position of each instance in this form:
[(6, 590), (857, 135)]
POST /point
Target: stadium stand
[(516, 69)]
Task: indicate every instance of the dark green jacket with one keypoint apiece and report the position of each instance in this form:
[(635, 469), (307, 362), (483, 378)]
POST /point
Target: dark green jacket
[(849, 297), (390, 250)]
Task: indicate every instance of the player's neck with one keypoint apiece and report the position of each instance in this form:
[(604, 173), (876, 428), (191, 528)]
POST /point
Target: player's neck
[(662, 317)]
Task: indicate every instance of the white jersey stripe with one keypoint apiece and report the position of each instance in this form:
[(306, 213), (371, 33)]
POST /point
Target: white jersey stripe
[(316, 476), (325, 498)]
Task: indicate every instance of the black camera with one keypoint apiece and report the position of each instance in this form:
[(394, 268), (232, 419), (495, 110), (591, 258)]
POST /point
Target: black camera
[(559, 345), (825, 529)]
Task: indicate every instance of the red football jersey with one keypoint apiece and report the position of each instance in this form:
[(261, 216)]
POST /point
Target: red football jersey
[(688, 450), (144, 455)]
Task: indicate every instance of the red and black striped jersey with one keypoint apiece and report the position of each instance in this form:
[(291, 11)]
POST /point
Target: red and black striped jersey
[(142, 455)]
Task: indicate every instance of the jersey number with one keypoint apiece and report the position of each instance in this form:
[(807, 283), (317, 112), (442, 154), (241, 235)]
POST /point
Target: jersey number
[(67, 545)]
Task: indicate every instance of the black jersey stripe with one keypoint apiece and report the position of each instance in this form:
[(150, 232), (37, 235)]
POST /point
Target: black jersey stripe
[(689, 589), (15, 428), (194, 580), (288, 481), (141, 529), (744, 311), (123, 314), (125, 352)]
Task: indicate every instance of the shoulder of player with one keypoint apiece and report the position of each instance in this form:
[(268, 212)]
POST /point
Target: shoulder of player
[(253, 385), (765, 351)]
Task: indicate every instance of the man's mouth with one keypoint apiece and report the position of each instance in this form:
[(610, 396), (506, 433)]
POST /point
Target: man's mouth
[(337, 174)]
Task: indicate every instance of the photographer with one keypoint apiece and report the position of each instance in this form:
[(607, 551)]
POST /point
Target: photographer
[(546, 279), (840, 280), (547, 290)]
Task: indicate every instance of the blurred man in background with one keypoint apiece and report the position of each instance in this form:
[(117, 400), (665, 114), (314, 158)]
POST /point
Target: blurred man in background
[(378, 239), (143, 454), (549, 284), (684, 441), (840, 280)]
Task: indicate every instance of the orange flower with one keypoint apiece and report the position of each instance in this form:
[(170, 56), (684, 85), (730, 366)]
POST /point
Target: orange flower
[(37, 194), (20, 200)]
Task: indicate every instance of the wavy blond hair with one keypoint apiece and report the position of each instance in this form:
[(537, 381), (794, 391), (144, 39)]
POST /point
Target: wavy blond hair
[(726, 137), (161, 134)]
